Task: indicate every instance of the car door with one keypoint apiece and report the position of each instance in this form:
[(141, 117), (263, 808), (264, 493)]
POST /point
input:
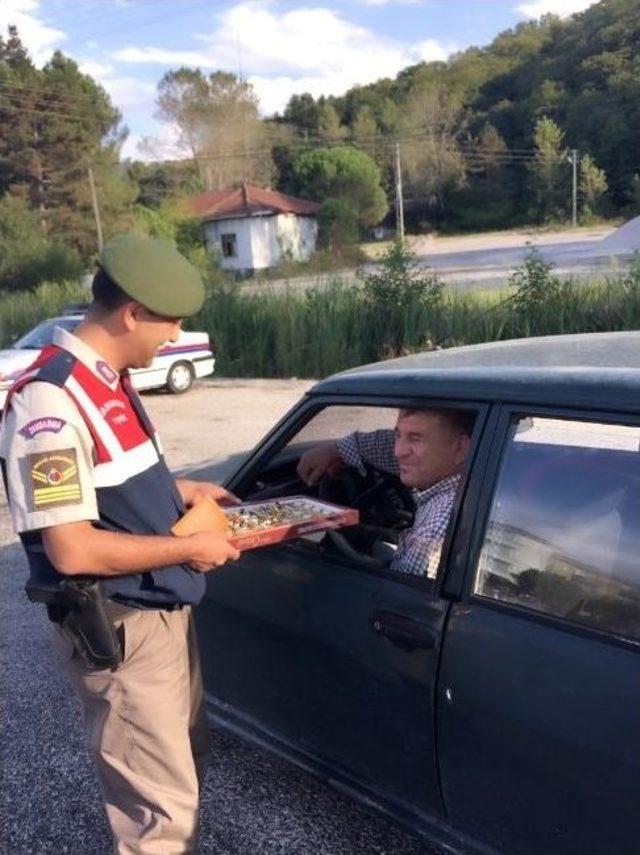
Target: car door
[(538, 725), (326, 658)]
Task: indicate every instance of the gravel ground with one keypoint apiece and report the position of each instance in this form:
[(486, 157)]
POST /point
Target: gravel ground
[(253, 802)]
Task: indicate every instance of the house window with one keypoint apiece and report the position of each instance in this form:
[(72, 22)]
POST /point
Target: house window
[(229, 246)]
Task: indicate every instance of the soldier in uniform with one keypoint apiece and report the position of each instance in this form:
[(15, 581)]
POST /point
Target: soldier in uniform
[(92, 499)]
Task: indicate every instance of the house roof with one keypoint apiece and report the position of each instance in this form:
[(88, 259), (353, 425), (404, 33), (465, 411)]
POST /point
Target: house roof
[(247, 200)]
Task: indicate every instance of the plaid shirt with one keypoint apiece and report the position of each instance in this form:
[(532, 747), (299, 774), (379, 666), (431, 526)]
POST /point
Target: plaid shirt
[(420, 546)]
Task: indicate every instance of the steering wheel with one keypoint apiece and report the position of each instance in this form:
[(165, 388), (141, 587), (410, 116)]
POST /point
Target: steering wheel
[(385, 503)]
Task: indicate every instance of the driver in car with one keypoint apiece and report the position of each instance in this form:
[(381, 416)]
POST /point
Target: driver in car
[(426, 449)]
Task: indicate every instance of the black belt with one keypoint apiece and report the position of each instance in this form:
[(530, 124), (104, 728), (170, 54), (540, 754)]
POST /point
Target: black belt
[(119, 611)]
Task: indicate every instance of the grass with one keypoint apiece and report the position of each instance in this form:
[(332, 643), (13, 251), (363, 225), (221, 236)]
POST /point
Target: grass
[(318, 332), (321, 331), (22, 310), (323, 261)]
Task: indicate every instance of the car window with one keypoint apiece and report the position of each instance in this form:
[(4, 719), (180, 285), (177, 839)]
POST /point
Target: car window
[(399, 532), (335, 422), (42, 335), (563, 535)]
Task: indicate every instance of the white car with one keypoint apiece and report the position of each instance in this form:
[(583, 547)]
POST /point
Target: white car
[(175, 365)]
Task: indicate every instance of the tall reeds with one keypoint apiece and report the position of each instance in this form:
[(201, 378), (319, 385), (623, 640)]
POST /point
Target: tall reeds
[(321, 331)]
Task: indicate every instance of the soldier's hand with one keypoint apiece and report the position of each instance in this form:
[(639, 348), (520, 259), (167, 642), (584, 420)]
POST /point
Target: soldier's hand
[(319, 460), (210, 550), (193, 492)]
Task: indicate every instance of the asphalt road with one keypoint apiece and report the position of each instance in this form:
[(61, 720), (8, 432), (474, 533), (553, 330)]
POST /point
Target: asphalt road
[(485, 262), (253, 802)]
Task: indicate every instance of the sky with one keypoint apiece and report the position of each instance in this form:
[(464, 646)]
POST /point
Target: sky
[(282, 47)]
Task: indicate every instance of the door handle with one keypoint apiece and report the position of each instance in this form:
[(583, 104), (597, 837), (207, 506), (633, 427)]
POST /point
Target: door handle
[(403, 631)]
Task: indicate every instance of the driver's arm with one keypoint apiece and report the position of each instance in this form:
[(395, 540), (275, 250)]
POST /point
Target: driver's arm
[(356, 449), (374, 447)]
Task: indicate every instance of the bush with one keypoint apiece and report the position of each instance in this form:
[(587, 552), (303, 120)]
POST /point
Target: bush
[(26, 257), (56, 263), (533, 282), (22, 310), (397, 291)]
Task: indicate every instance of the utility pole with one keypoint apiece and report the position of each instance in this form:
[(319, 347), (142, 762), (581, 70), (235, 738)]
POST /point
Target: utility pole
[(399, 203), (574, 194), (96, 209)]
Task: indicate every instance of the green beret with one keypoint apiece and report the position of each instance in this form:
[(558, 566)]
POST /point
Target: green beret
[(154, 273)]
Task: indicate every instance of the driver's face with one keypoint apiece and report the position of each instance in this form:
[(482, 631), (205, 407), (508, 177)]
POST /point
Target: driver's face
[(428, 448)]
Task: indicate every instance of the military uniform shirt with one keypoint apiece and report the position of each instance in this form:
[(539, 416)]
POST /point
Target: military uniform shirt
[(77, 445), (47, 450)]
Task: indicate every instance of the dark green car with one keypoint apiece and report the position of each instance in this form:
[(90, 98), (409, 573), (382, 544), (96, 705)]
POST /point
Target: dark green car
[(495, 707)]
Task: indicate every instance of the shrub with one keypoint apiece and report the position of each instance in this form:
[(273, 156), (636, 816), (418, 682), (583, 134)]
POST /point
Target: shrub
[(397, 291), (56, 263), (533, 282), (26, 257), (22, 310)]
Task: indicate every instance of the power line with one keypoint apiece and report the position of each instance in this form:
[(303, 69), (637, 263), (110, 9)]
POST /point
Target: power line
[(179, 10), (72, 117), (381, 141), (378, 139), (21, 98)]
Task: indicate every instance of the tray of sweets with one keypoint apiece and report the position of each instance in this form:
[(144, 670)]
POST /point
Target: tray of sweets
[(257, 524)]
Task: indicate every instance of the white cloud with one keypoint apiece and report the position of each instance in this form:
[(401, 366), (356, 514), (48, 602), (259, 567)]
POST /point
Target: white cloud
[(431, 50), (307, 49), (161, 143), (305, 39), (129, 94), (39, 39), (389, 2), (99, 70), (561, 8), (274, 92), (161, 56)]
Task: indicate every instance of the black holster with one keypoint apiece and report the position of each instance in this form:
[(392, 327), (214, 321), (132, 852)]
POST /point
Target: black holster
[(77, 606)]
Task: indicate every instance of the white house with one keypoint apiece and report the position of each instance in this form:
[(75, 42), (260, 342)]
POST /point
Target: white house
[(254, 228)]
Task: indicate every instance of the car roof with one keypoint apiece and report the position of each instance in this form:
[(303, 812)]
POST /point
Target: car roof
[(593, 370)]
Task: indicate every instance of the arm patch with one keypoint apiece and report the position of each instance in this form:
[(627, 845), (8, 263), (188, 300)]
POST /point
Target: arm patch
[(54, 480)]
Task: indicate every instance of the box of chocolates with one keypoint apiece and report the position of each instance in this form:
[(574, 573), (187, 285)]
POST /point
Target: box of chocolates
[(255, 524)]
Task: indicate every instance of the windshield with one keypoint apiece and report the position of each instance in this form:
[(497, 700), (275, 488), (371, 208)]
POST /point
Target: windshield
[(42, 335)]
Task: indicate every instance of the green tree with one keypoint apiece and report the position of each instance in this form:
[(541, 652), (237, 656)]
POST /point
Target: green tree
[(549, 171), (337, 225), (27, 258), (432, 162), (302, 113), (593, 184), (156, 182), (217, 116), (365, 131), (488, 199), (342, 173), (634, 194), (55, 121), (329, 127), (583, 72)]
